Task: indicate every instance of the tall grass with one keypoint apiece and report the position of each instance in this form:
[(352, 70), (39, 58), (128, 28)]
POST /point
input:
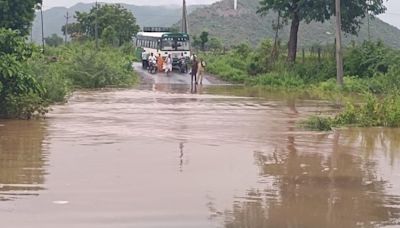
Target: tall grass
[(88, 68), (66, 68), (374, 112)]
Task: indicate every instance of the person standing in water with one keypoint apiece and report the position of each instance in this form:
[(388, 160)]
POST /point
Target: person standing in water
[(160, 63), (193, 73), (168, 64), (200, 71)]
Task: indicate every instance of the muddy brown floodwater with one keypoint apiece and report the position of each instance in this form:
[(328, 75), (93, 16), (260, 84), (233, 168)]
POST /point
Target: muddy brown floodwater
[(224, 157)]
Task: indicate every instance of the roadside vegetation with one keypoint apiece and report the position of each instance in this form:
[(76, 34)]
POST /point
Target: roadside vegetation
[(31, 80), (375, 112), (371, 70), (80, 65), (372, 75)]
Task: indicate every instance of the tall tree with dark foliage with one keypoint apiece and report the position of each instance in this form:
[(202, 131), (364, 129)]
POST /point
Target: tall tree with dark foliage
[(353, 12), (18, 14)]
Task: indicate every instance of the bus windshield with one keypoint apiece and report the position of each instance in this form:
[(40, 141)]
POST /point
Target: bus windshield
[(182, 44), (175, 44), (168, 44)]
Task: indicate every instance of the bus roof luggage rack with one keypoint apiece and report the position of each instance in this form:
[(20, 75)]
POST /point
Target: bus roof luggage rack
[(156, 29)]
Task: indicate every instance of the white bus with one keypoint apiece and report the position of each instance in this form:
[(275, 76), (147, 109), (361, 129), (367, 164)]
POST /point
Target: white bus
[(165, 43)]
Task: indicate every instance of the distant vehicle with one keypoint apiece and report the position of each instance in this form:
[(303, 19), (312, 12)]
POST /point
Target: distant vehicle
[(161, 41)]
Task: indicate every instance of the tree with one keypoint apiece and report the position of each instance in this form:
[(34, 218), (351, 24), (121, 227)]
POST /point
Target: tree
[(203, 40), (196, 42), (18, 14), (215, 44), (319, 10), (296, 11), (54, 40), (108, 15), (349, 15), (110, 36), (74, 30), (353, 12), (277, 26), (20, 93)]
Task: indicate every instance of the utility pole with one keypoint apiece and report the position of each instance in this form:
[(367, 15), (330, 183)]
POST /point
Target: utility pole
[(339, 53), (31, 33), (235, 5), (185, 25), (369, 24), (369, 28), (96, 28), (66, 28), (41, 16)]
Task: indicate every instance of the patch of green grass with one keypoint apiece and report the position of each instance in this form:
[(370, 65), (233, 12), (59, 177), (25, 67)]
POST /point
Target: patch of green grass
[(318, 123)]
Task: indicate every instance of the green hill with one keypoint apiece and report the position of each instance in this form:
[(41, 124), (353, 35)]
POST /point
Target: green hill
[(244, 25), (145, 15)]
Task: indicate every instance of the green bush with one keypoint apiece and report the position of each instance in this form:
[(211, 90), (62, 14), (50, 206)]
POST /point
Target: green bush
[(81, 65), (51, 75), (23, 106), (255, 67), (352, 85), (276, 79), (30, 81), (318, 123), (21, 95), (374, 112), (369, 59), (313, 72), (225, 67)]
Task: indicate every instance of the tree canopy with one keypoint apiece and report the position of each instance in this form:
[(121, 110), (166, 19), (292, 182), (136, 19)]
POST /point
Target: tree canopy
[(54, 40), (109, 17), (203, 39), (18, 14), (74, 30), (320, 10), (215, 44), (354, 11)]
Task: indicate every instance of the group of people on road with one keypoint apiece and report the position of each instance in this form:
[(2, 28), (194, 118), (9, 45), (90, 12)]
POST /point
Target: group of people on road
[(159, 62), (165, 65)]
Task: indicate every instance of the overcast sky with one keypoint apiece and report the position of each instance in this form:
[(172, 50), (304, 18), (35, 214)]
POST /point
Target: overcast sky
[(51, 3), (392, 15)]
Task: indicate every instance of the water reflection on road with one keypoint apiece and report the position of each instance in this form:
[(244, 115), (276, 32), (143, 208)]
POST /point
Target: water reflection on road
[(22, 159), (349, 178), (164, 156)]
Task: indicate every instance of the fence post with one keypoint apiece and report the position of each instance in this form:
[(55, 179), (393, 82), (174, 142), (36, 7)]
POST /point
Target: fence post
[(334, 49), (319, 54)]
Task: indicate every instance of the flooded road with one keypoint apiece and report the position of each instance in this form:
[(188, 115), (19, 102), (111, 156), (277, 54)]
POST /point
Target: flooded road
[(161, 156)]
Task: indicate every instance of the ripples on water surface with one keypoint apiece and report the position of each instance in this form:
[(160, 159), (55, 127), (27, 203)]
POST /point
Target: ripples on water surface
[(149, 158)]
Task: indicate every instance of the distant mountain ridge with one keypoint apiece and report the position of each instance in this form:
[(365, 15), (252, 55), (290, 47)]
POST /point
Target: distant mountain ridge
[(245, 25), (54, 18)]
